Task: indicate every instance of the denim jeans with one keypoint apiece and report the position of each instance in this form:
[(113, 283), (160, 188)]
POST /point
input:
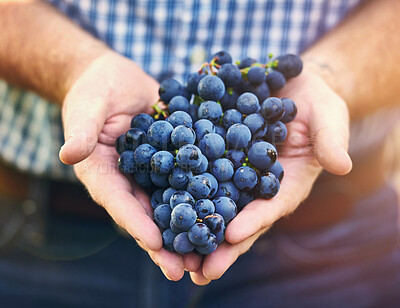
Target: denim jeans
[(86, 263)]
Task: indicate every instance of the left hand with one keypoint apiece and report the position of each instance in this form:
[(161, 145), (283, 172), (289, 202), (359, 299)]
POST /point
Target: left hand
[(323, 121)]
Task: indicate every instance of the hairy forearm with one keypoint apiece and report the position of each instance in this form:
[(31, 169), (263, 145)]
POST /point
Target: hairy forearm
[(360, 58), (41, 50)]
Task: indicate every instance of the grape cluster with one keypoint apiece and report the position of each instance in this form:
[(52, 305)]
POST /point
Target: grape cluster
[(213, 150)]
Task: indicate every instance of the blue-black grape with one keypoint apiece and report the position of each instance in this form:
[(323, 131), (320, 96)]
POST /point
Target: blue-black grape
[(126, 162), (211, 111), (168, 237), (188, 157), (169, 88), (230, 74), (226, 207), (142, 121), (179, 178), (178, 103), (222, 169), (289, 65), (203, 127), (162, 162), (228, 189), (268, 186), (245, 178), (275, 80), (133, 138), (248, 103), (262, 155), (237, 157), (157, 198), (272, 109), (204, 207), (199, 186), (212, 146), (159, 135), (256, 75), (222, 57), (276, 133), (182, 135), (181, 243), (230, 117), (238, 136), (181, 196), (180, 118), (183, 216), (199, 234), (211, 88), (162, 216), (290, 110)]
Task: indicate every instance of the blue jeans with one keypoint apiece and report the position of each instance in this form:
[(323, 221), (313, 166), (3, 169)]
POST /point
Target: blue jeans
[(84, 263)]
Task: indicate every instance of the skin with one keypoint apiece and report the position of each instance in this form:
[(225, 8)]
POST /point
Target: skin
[(98, 90)]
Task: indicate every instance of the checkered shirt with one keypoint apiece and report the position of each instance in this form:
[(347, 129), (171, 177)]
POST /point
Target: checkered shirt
[(167, 39)]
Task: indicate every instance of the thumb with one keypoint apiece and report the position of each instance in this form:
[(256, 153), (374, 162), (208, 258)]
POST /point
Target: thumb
[(331, 126), (83, 118)]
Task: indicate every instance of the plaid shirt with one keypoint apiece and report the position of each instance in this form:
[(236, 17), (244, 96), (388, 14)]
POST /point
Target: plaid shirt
[(167, 38)]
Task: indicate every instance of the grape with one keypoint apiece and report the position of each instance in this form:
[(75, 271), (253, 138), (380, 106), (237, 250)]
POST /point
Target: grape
[(183, 216), (143, 154), (157, 198), (179, 178), (262, 155), (290, 110), (206, 157), (226, 207), (231, 117), (133, 138), (180, 118), (268, 186), (204, 207), (275, 80), (143, 179), (262, 91), (160, 180), (166, 197), (247, 103), (277, 170), (212, 146), (246, 62), (237, 157), (188, 157), (199, 186), (162, 162), (256, 75), (245, 197), (238, 136), (214, 184), (199, 234), (245, 178), (159, 135), (181, 196), (289, 65), (215, 222), (192, 82), (228, 189), (229, 74), (162, 216), (126, 162), (210, 110), (220, 131), (272, 109), (119, 144), (178, 103), (168, 89), (203, 127), (276, 133), (168, 237), (142, 121), (193, 111), (202, 167), (222, 169), (222, 57), (228, 101), (209, 247), (181, 243), (211, 88), (182, 135), (257, 125)]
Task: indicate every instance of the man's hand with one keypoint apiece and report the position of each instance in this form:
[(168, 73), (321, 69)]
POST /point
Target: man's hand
[(317, 139), (97, 109)]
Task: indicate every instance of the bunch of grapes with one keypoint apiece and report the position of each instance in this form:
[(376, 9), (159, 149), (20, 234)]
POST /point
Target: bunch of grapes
[(212, 150)]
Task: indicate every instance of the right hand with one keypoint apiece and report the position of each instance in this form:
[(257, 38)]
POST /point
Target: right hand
[(97, 109)]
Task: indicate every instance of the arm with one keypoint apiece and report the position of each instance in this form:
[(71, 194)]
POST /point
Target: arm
[(352, 69), (359, 59), (43, 51)]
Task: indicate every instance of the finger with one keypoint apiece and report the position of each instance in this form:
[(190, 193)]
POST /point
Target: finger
[(84, 114), (170, 263), (300, 174), (198, 278), (330, 122), (113, 191), (217, 263), (192, 262)]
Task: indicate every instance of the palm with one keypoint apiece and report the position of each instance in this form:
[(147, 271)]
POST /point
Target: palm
[(107, 94), (317, 139)]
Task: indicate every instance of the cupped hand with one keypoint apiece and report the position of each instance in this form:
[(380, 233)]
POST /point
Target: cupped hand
[(97, 109), (317, 139)]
